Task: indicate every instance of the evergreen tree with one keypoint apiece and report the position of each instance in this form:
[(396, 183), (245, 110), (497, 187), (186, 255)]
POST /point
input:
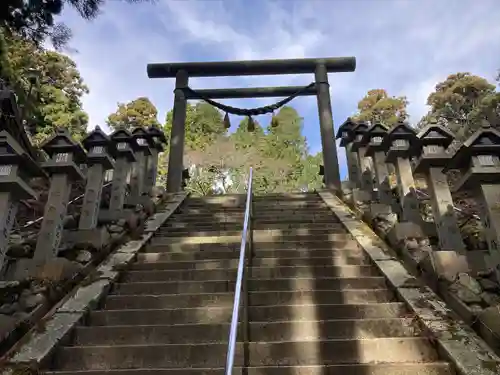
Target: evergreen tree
[(136, 113)]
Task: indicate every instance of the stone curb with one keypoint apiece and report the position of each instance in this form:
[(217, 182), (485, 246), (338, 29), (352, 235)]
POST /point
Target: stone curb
[(52, 331), (471, 318), (455, 341)]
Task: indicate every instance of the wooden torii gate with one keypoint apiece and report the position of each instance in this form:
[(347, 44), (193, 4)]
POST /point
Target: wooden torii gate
[(319, 66)]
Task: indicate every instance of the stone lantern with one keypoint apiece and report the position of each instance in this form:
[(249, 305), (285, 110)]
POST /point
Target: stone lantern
[(431, 158), (397, 146), (101, 152), (125, 147), (65, 156), (185, 177), (479, 160), (158, 141), (372, 140), (16, 168), (137, 182), (365, 169), (346, 135)]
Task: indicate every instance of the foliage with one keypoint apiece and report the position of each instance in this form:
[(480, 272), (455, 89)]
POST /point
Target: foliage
[(220, 163), (204, 124), (463, 102), (34, 20), (136, 113), (378, 106), (49, 87)]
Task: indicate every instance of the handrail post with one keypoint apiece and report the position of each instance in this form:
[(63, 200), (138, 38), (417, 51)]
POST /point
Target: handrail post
[(241, 283)]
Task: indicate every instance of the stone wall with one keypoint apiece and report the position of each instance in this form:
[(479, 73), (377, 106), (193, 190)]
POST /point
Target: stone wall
[(452, 242), (34, 274)]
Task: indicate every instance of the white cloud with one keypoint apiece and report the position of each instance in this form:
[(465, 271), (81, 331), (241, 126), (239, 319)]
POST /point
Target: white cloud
[(405, 47)]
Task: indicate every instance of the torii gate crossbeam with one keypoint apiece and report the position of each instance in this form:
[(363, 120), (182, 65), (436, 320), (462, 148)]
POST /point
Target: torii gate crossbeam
[(319, 66)]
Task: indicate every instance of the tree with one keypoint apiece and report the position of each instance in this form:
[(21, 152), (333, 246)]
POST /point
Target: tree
[(378, 106), (35, 19), (245, 139), (204, 123), (463, 101), (309, 179), (51, 100), (285, 143), (217, 168), (136, 113)]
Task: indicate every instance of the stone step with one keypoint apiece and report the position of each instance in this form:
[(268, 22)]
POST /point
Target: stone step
[(258, 332), (274, 284), (186, 253), (257, 233), (170, 225), (253, 272), (196, 246), (198, 210), (152, 262), (258, 205), (256, 222), (216, 217), (286, 196), (264, 212), (202, 300), (338, 238), (289, 353), (432, 368), (222, 314)]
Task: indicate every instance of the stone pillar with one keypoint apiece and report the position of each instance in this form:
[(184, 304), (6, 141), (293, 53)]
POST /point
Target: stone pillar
[(445, 219), (119, 184), (352, 165), (366, 173), (92, 198), (49, 237), (407, 193), (491, 221), (138, 176), (177, 135), (8, 210), (63, 168), (330, 158), (152, 162), (382, 178)]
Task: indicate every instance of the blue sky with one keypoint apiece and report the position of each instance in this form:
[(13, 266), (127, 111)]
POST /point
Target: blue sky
[(405, 47)]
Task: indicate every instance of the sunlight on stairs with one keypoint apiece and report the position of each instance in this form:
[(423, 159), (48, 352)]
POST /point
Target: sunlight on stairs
[(317, 306)]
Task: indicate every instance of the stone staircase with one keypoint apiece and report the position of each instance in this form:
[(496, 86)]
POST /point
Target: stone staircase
[(317, 305)]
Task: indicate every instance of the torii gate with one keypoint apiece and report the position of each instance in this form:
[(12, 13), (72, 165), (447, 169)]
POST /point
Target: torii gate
[(319, 66)]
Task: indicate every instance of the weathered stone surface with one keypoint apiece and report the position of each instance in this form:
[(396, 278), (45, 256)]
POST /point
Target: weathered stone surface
[(7, 324), (469, 282), (359, 195), (403, 231), (29, 300), (488, 285), (87, 238), (83, 256), (446, 264), (489, 327), (416, 251), (86, 296), (466, 288), (57, 269), (396, 274), (43, 340), (490, 298), (115, 262)]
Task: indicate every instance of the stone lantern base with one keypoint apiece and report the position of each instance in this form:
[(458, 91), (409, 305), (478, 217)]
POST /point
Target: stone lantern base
[(95, 238)]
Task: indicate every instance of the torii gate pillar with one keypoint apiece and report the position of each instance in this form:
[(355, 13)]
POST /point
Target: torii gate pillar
[(320, 67)]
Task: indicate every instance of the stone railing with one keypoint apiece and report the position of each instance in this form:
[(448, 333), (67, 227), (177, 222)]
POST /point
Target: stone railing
[(94, 195), (465, 273)]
